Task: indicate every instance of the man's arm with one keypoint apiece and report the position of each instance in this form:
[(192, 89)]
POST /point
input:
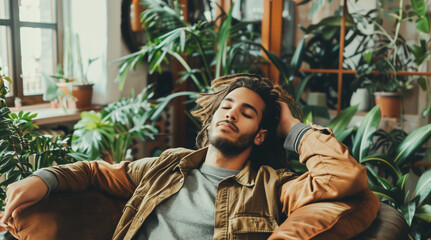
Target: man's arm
[(118, 180), (21, 195), (332, 172)]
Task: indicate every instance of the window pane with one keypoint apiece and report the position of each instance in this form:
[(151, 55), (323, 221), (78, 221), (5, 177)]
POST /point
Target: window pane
[(37, 11), (4, 9), (38, 56), (5, 54)]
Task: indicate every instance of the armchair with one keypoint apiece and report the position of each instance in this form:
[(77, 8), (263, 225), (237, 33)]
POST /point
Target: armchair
[(94, 215)]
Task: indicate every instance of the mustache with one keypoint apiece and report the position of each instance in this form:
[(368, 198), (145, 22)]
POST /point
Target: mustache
[(227, 121)]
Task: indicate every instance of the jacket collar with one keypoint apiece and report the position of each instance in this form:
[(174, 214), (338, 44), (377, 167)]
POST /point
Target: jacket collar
[(195, 159)]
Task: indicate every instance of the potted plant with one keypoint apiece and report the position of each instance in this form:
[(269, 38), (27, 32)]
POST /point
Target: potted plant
[(388, 51), (70, 84)]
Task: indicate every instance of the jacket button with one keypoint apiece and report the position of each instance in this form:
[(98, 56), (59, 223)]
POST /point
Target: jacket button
[(181, 180), (141, 219)]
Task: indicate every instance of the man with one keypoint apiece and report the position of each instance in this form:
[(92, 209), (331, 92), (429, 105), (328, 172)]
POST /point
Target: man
[(231, 186)]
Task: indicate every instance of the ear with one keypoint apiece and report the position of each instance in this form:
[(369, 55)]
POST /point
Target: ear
[(260, 137)]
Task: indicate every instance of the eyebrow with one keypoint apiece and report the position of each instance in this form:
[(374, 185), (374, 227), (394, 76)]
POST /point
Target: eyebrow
[(244, 105)]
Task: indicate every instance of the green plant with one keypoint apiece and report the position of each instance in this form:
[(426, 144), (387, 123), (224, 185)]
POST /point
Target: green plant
[(3, 88), (108, 134), (23, 149), (388, 168), (388, 51), (229, 47), (388, 158)]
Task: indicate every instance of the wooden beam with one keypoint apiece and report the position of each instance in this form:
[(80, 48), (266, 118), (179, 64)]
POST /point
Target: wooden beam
[(276, 35), (341, 56), (266, 32), (180, 119)]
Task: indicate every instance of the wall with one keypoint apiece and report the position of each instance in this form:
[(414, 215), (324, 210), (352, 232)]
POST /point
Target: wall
[(98, 24)]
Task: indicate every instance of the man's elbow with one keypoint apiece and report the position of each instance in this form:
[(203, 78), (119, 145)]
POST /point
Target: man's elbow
[(354, 180)]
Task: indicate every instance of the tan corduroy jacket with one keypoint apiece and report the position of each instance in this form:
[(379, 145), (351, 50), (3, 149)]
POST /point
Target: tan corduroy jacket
[(249, 205)]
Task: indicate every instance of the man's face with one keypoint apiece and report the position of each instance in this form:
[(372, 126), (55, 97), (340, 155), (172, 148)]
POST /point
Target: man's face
[(235, 124)]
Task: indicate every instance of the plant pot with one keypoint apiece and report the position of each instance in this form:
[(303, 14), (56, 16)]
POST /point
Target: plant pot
[(389, 104), (82, 95), (362, 98)]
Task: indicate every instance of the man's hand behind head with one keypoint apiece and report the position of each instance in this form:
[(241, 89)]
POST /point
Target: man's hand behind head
[(21, 195), (287, 120)]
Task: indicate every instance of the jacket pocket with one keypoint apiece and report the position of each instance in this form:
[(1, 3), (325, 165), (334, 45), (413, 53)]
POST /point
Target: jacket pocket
[(252, 227)]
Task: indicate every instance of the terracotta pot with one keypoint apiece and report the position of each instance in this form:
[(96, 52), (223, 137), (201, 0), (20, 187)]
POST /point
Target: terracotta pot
[(389, 103), (83, 95)]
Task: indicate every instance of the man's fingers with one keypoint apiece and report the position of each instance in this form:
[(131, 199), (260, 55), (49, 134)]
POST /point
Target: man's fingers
[(21, 208), (10, 207)]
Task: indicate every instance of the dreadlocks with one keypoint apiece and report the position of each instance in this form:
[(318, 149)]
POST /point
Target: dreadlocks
[(271, 152)]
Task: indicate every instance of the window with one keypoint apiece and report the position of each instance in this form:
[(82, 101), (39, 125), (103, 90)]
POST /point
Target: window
[(28, 46)]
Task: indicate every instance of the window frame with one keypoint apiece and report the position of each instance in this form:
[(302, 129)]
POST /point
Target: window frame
[(15, 26)]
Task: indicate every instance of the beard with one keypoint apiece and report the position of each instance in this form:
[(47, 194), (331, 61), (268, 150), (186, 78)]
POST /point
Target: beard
[(230, 148)]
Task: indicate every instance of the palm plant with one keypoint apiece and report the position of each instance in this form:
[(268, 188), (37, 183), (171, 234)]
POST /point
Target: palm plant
[(221, 49), (108, 134)]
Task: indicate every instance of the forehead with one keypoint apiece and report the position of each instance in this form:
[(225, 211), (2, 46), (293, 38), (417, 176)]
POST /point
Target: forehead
[(244, 95)]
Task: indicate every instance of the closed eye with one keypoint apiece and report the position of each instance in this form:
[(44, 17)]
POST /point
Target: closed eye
[(246, 115)]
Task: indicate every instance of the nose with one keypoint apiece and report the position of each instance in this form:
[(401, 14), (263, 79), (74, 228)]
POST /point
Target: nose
[(231, 115)]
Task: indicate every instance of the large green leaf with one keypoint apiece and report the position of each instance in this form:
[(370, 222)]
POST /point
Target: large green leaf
[(411, 143), (423, 24), (340, 122), (344, 134), (424, 212), (419, 6), (423, 187), (382, 160), (301, 86), (408, 211), (363, 138), (296, 61), (383, 194), (223, 38)]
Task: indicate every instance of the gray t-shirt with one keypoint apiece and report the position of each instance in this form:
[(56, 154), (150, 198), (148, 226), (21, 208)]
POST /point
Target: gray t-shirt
[(191, 211)]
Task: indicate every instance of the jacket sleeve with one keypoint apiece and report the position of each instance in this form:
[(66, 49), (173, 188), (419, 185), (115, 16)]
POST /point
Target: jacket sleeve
[(332, 173), (116, 179)]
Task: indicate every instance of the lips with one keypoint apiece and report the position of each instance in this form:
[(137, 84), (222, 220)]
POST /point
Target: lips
[(228, 124)]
